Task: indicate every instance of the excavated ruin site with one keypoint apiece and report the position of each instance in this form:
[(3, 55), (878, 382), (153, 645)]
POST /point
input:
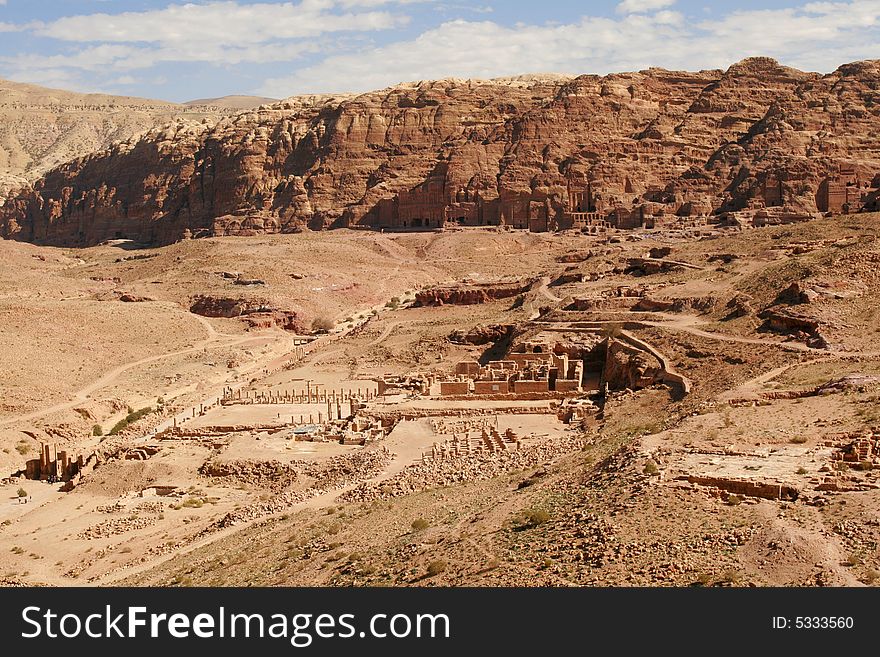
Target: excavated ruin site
[(238, 361)]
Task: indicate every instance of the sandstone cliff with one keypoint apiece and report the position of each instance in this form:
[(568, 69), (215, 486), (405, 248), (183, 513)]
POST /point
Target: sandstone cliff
[(642, 148)]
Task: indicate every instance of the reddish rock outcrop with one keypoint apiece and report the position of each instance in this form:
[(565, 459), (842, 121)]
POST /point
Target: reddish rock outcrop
[(758, 143), (480, 335), (467, 295), (208, 306), (127, 297), (797, 293), (646, 304), (257, 313), (740, 305), (628, 367), (786, 322), (285, 319)]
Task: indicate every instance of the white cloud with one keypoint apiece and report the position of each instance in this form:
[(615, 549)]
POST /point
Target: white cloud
[(122, 57), (486, 49), (817, 36), (225, 22), (641, 6), (220, 32)]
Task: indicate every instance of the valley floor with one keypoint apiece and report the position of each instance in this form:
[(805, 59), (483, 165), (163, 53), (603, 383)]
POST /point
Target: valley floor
[(758, 470)]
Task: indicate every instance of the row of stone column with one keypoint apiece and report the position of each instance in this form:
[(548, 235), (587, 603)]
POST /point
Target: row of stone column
[(309, 396)]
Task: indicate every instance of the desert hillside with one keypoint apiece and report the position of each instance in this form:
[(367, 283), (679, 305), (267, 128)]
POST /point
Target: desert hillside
[(758, 143), (358, 408), (42, 128), (235, 102)]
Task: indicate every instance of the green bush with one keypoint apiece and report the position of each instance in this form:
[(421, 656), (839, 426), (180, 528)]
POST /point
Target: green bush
[(419, 524), (132, 417), (533, 518), (323, 324), (97, 431), (22, 492), (436, 567), (704, 579)]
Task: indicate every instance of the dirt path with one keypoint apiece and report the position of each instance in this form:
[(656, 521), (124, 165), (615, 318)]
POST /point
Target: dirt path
[(81, 395), (752, 386), (545, 292), (385, 334), (686, 326), (690, 324)]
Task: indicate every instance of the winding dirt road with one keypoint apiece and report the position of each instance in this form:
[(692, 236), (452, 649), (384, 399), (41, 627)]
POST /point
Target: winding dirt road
[(214, 340)]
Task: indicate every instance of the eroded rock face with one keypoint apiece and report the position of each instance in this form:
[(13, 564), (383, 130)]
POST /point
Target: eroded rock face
[(627, 367), (740, 305), (480, 335), (257, 313), (285, 319), (759, 139), (467, 295), (209, 306), (797, 293)]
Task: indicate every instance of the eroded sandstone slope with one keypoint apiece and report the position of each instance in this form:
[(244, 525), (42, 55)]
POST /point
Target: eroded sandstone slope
[(653, 144)]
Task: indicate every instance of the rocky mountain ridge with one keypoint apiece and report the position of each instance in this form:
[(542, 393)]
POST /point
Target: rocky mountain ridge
[(41, 128), (642, 148)]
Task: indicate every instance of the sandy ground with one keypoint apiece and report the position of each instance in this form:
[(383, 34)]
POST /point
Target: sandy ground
[(613, 508)]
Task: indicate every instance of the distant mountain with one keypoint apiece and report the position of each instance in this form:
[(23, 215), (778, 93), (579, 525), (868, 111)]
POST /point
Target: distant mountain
[(759, 141), (41, 128), (232, 102)]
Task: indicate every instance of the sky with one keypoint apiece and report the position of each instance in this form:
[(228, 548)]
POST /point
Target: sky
[(175, 50)]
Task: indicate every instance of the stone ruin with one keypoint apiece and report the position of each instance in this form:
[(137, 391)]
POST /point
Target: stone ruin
[(566, 369), (848, 190), (414, 384), (519, 373), (577, 411), (725, 486), (54, 465), (363, 430), (489, 441), (311, 395), (853, 461), (444, 425)]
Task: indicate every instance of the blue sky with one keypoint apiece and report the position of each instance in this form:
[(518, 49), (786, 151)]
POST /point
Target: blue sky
[(179, 50)]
